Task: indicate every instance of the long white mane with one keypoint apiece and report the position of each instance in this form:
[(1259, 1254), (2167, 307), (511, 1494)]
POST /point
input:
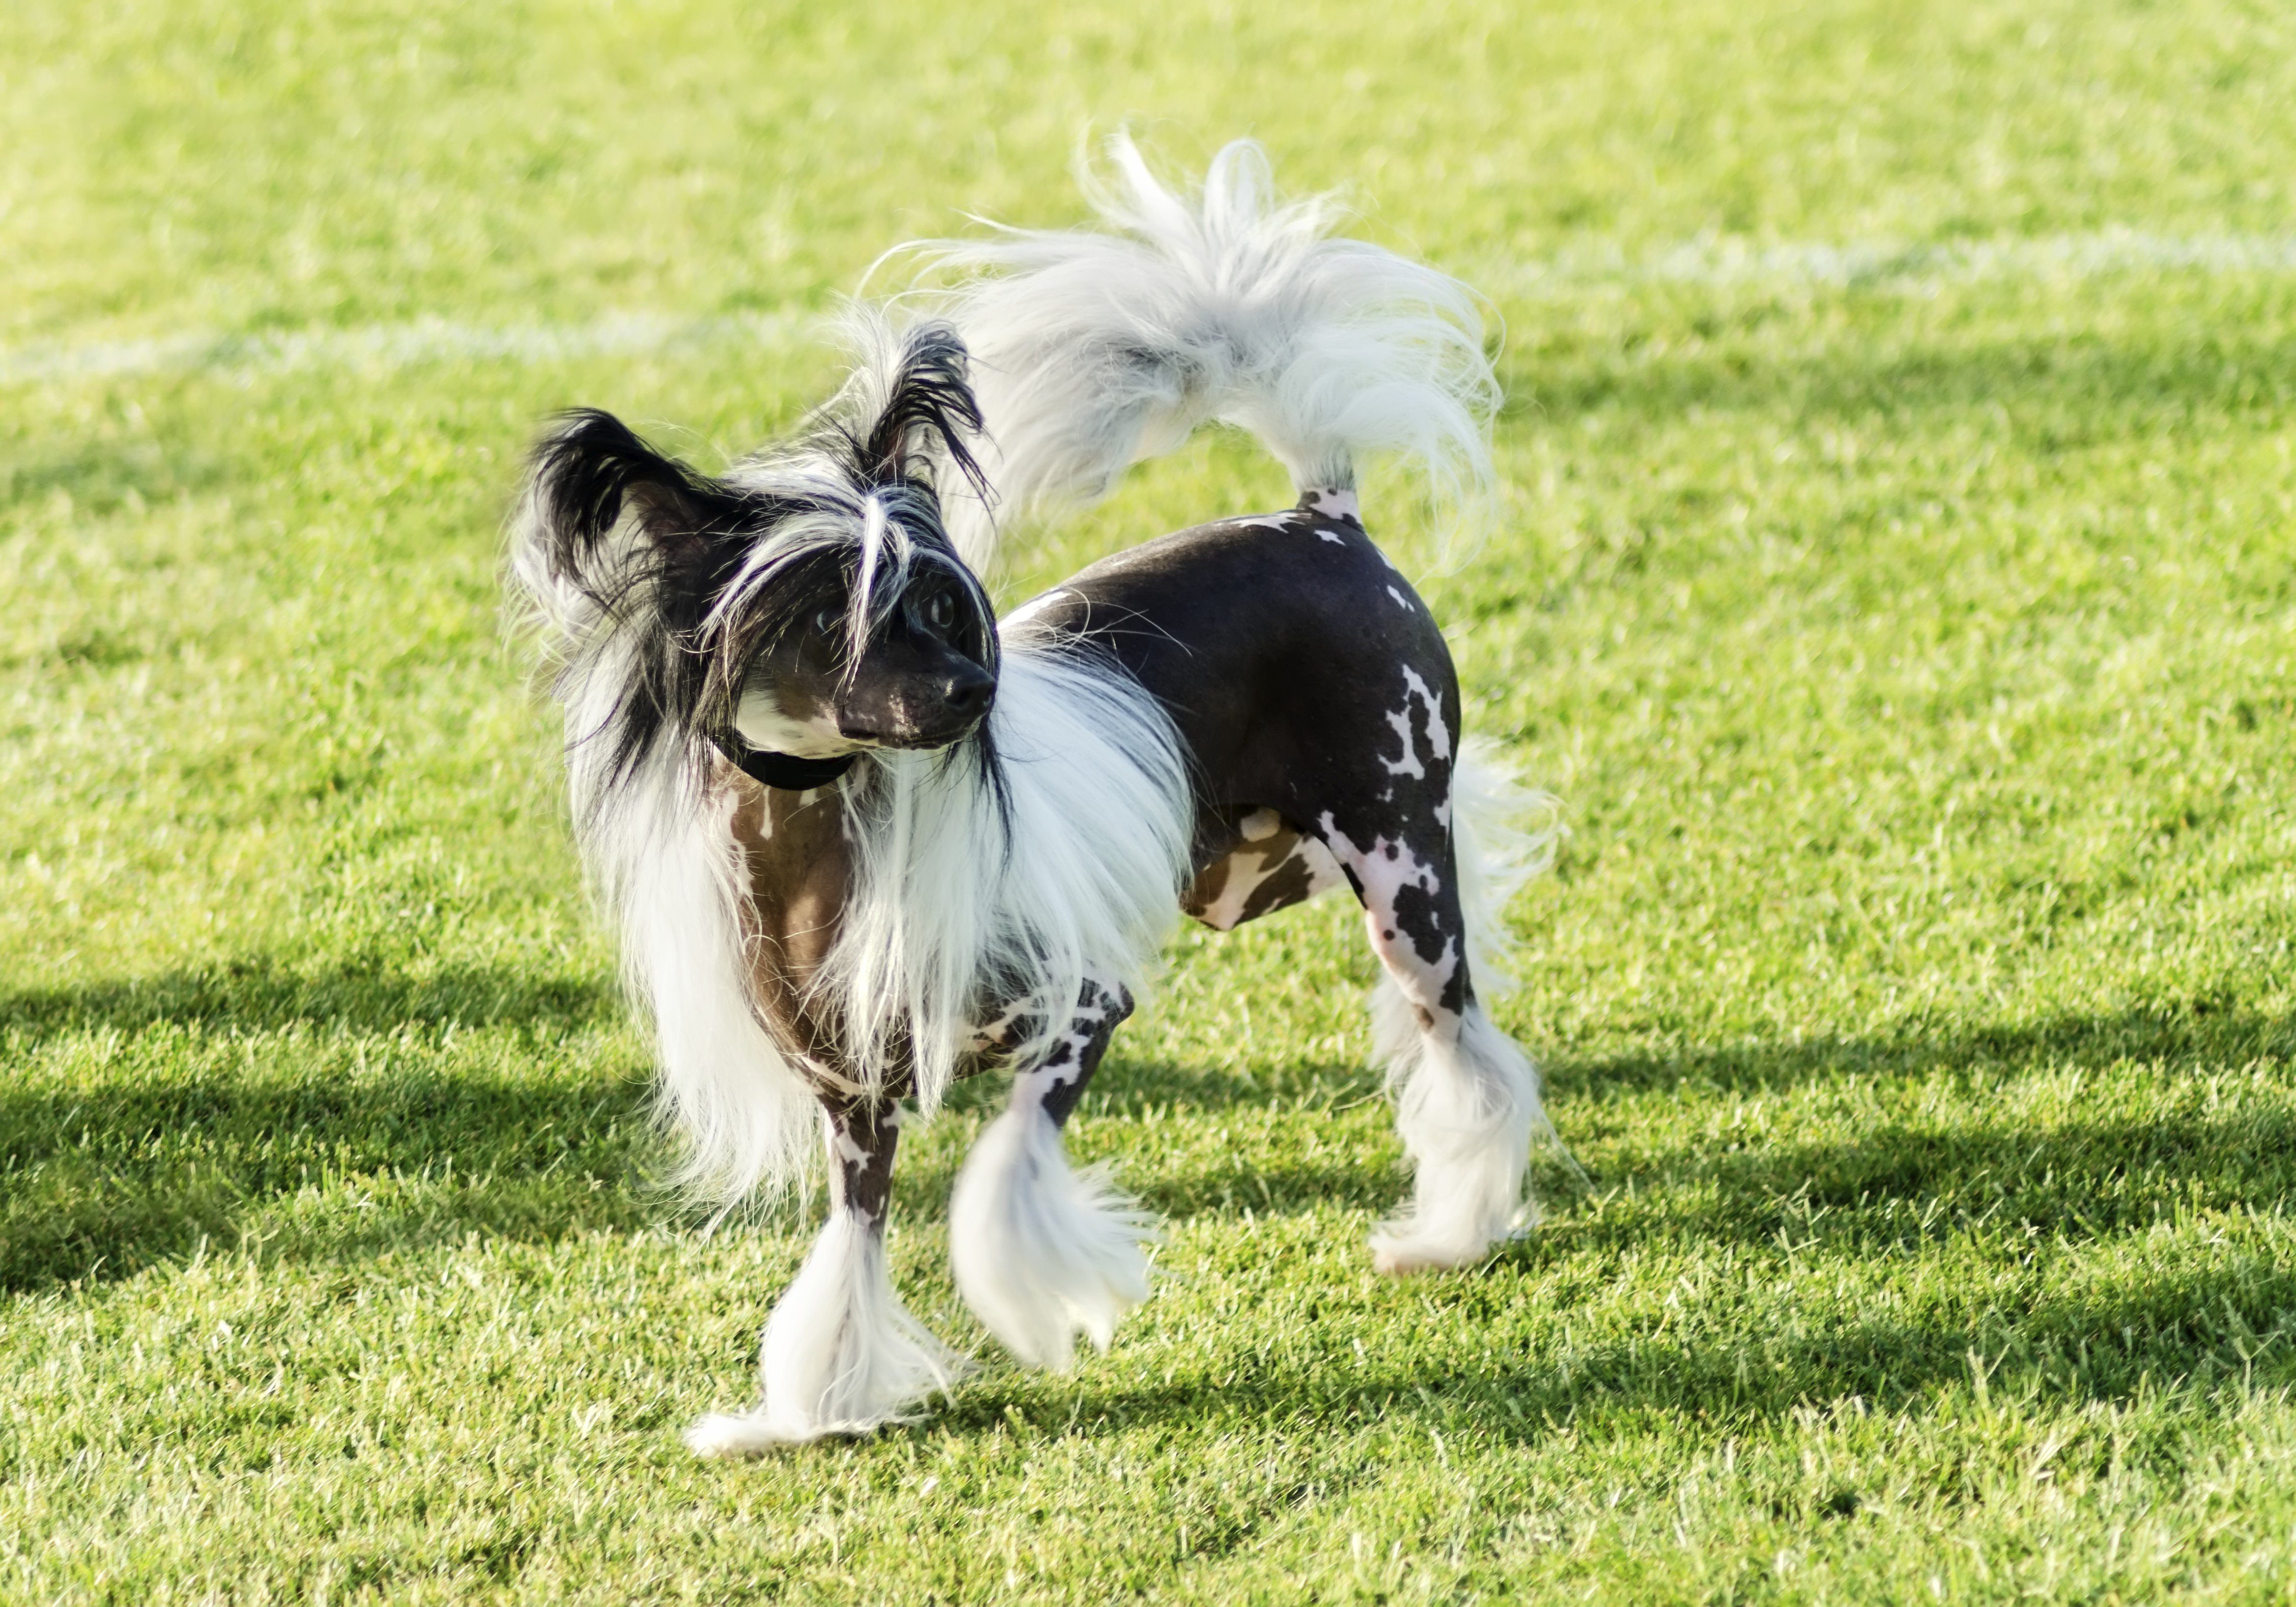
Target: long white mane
[(999, 892), (978, 891)]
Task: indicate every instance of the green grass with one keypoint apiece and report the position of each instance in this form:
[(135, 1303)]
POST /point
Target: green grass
[(1917, 651)]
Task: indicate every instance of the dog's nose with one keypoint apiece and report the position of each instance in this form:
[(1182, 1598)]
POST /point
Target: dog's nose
[(968, 690)]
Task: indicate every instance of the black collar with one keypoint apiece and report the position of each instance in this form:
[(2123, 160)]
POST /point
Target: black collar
[(785, 771)]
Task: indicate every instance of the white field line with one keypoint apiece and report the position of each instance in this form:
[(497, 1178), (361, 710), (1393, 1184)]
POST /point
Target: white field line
[(1885, 264), (389, 346), (1715, 262)]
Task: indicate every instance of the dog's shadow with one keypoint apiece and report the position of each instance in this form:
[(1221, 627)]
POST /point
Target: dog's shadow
[(245, 997), (203, 1107), (2177, 1327), (123, 1162), (1899, 1188)]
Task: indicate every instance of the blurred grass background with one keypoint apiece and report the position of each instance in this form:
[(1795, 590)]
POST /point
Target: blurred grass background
[(1896, 582)]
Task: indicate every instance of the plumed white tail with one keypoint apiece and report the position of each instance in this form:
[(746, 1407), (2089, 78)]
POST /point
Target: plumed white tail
[(1092, 351)]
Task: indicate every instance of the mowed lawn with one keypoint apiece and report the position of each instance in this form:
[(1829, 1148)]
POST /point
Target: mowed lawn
[(1895, 581)]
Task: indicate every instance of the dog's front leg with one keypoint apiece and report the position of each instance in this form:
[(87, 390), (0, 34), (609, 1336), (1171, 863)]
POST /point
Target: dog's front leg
[(1041, 1252), (841, 1356)]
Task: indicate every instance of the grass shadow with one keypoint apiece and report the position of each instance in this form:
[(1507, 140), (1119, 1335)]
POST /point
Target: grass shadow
[(107, 1175), (351, 1139), (260, 995), (102, 1182), (2182, 1034), (2191, 1327)]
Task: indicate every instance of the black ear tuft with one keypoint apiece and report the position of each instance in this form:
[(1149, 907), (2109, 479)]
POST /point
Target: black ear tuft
[(616, 543), (928, 405), (581, 468), (583, 475)]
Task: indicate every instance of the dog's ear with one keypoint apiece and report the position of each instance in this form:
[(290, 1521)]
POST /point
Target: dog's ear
[(584, 475), (919, 411), (616, 543)]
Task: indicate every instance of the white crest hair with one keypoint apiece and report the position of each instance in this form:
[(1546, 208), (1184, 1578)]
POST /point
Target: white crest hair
[(873, 524), (1092, 351), (653, 819), (662, 854), (977, 889), (663, 861)]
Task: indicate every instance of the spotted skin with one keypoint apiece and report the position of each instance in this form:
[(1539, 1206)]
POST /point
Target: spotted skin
[(1057, 1082), (1319, 707), (1271, 867), (862, 1139), (1319, 710)]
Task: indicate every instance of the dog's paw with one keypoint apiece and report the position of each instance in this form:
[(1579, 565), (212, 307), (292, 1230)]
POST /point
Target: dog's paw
[(734, 1434), (1399, 1254)]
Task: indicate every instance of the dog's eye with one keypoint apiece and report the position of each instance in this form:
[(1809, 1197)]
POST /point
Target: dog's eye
[(827, 620), (941, 611)]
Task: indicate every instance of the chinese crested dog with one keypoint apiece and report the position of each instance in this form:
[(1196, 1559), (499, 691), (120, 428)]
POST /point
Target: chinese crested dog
[(862, 838)]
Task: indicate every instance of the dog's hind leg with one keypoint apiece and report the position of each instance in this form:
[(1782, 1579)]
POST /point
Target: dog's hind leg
[(1467, 1105), (1467, 1099), (841, 1355), (1042, 1252)]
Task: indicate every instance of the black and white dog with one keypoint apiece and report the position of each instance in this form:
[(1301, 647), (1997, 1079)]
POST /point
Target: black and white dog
[(863, 838)]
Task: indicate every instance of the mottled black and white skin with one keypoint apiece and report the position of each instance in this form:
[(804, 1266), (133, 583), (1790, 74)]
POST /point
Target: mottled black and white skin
[(864, 840), (1315, 699)]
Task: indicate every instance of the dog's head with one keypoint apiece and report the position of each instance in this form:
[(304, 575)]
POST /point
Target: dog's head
[(808, 601)]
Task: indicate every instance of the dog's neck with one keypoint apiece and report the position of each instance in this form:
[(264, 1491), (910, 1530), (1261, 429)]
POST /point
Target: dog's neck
[(785, 771)]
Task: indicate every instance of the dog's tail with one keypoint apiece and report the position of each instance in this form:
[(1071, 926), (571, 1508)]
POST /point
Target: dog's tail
[(1093, 349)]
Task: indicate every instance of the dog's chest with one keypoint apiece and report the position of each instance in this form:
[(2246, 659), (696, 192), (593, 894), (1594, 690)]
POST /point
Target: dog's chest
[(797, 867)]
